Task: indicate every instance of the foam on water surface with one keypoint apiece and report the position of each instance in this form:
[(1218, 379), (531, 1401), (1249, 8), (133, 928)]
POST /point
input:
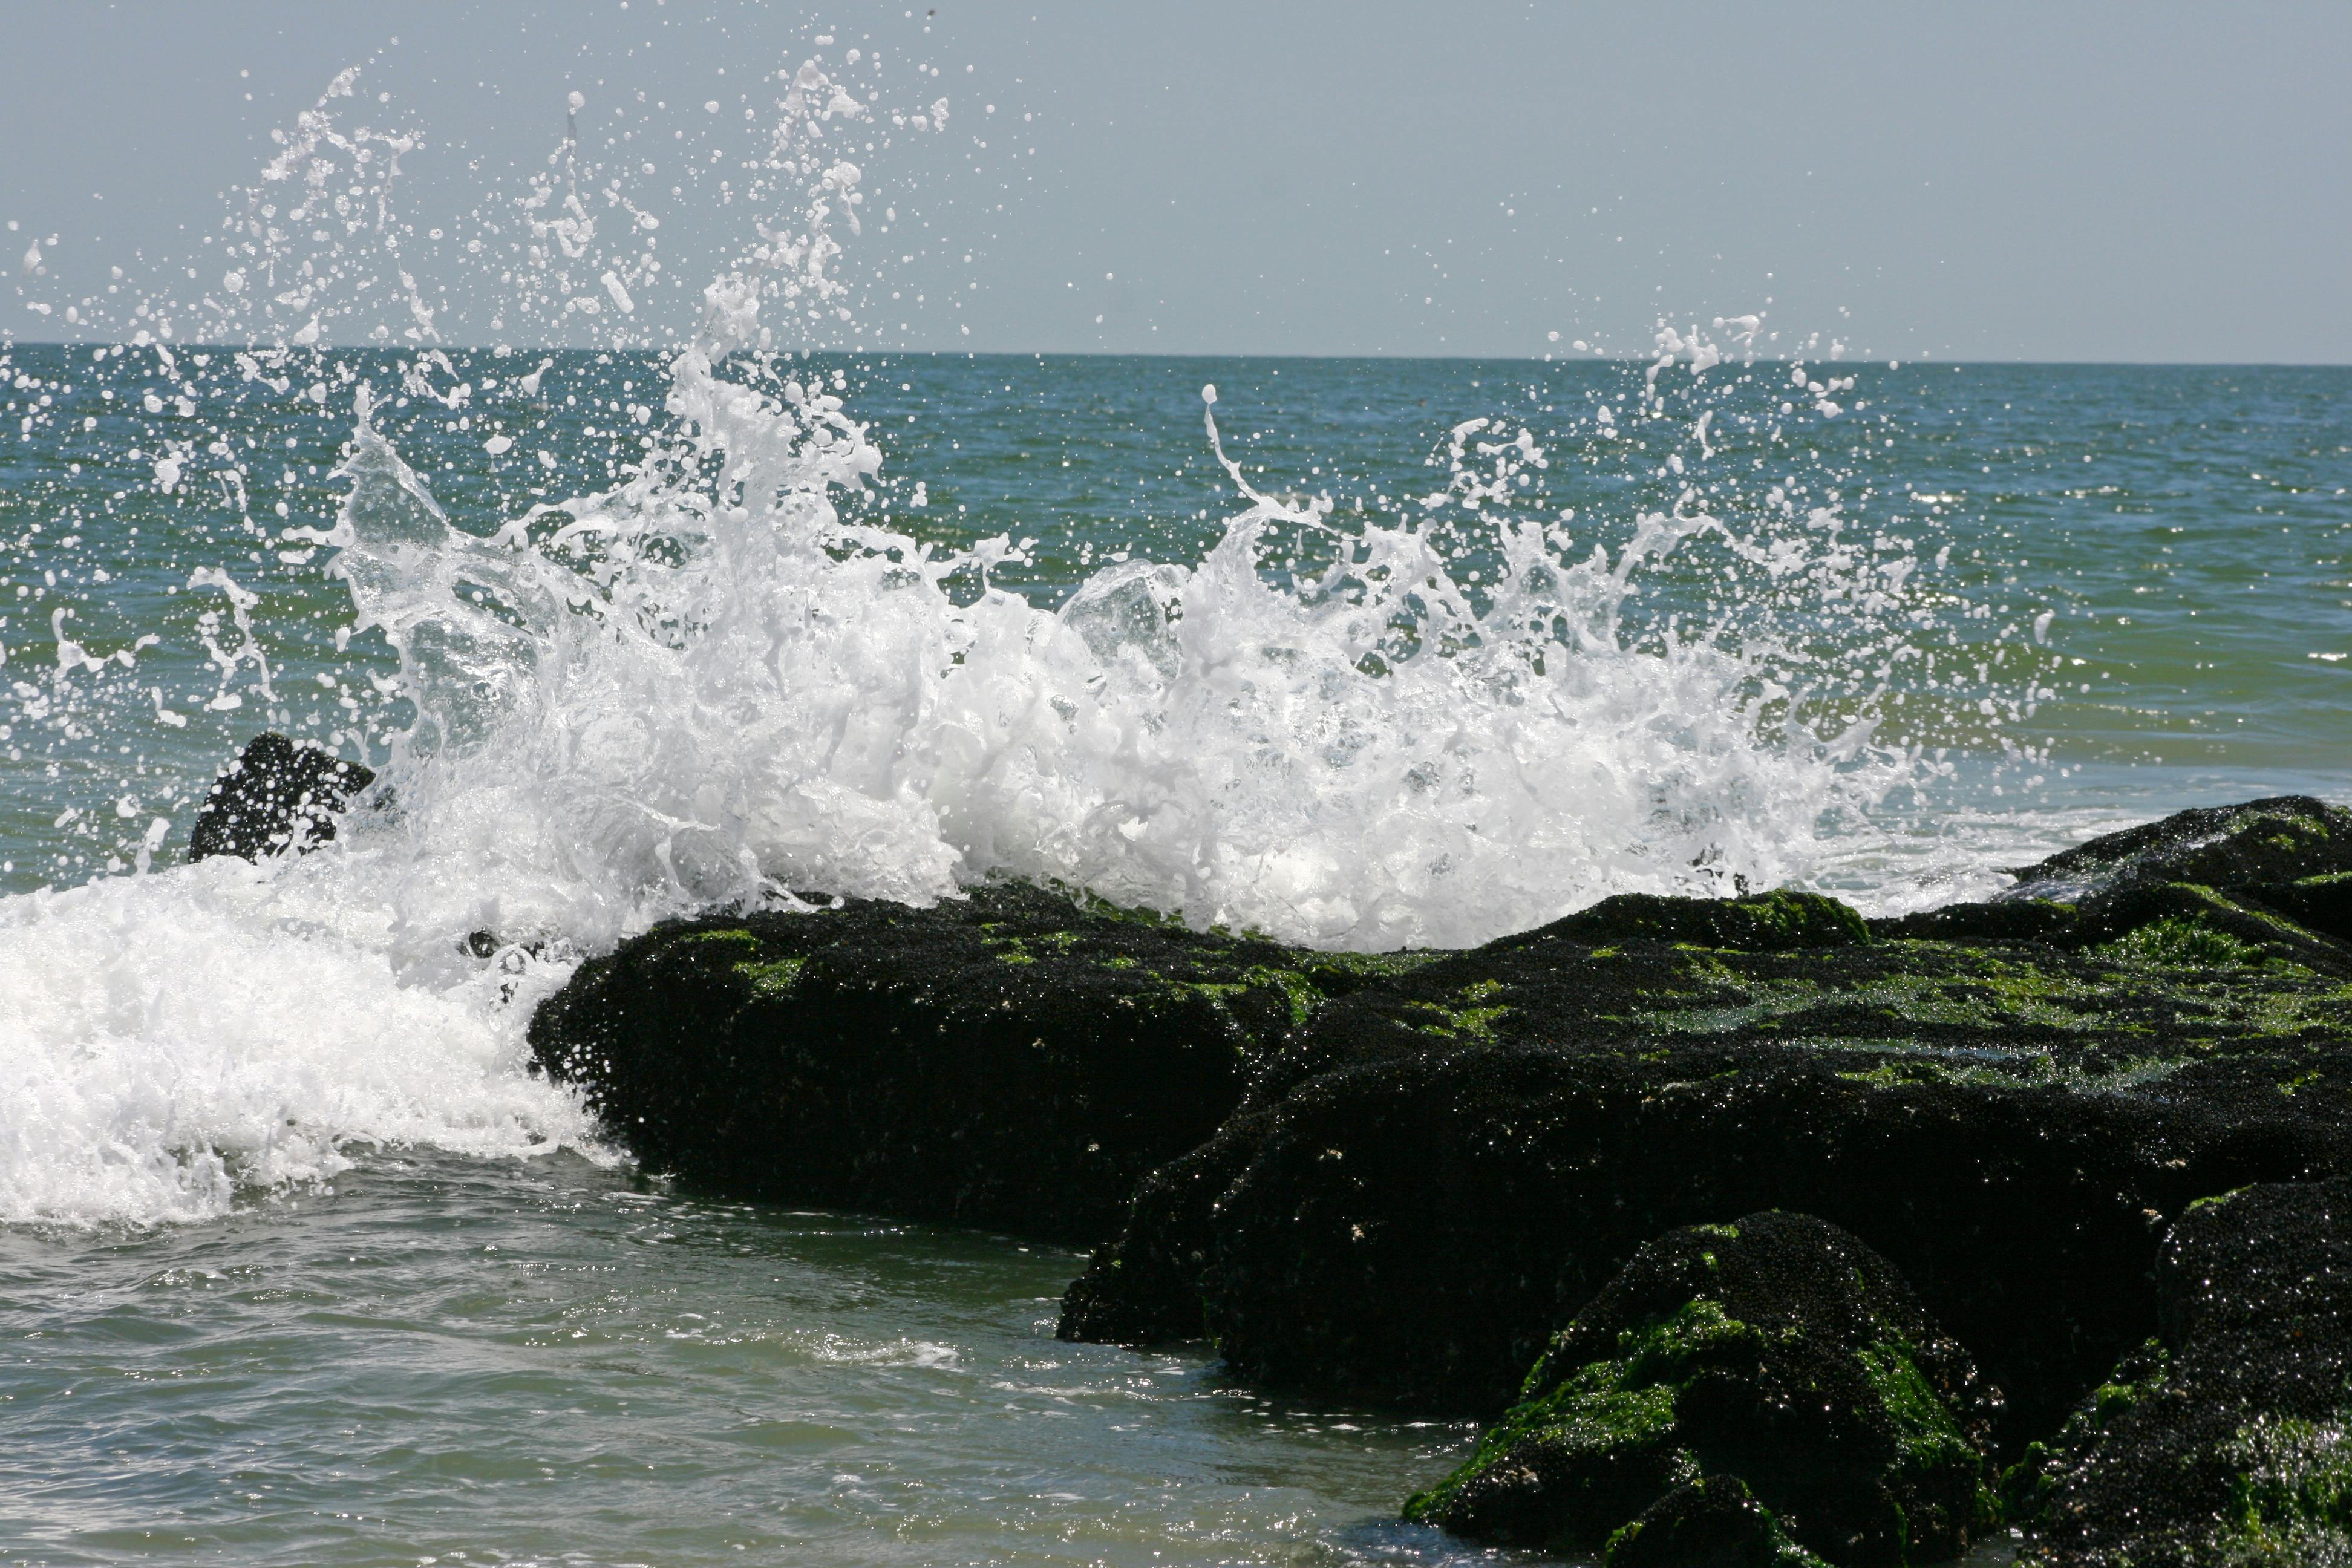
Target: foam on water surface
[(172, 1043), (708, 686)]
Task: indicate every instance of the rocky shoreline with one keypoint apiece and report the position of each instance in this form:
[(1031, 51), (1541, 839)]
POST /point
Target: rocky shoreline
[(1758, 1232)]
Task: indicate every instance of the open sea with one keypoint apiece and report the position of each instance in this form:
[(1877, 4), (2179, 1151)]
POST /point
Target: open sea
[(299, 1266)]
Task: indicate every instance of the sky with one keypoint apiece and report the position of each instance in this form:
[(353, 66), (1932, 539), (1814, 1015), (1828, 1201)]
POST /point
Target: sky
[(2141, 181)]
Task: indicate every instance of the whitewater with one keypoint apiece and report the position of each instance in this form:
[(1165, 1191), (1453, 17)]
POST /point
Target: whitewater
[(730, 680)]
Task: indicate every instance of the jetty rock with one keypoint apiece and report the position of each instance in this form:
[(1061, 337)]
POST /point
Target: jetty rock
[(1760, 1390), (1007, 1059), (277, 796), (1397, 1178), (2227, 1438), (2276, 840), (2011, 1101)]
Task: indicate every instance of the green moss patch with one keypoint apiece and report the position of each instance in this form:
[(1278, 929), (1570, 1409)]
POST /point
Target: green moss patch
[(1777, 1356)]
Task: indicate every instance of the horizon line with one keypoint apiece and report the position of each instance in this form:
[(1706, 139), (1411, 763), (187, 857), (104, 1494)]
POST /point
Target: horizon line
[(8, 344)]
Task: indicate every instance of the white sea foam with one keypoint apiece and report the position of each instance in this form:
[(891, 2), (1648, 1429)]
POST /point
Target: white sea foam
[(676, 695), (707, 686), (172, 1040)]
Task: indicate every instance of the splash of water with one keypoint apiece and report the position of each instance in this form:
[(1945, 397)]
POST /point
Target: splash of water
[(725, 680), (707, 687)]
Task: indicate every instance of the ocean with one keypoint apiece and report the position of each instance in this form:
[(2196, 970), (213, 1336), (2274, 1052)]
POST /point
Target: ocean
[(302, 1266), (299, 1263)]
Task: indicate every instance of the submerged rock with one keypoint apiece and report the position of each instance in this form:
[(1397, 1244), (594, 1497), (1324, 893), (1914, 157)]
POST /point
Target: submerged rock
[(2228, 1438), (1734, 1388), (275, 795), (1007, 1059)]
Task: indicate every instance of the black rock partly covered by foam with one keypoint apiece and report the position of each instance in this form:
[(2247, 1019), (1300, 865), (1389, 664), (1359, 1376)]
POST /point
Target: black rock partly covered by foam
[(277, 796), (1777, 1352)]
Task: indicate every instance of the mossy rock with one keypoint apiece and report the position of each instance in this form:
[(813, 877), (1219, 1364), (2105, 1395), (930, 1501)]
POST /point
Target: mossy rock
[(2279, 839), (1714, 1521), (2319, 904), (1433, 1172), (1395, 1176), (1777, 1350), (1006, 1060), (2227, 1439), (1779, 922)]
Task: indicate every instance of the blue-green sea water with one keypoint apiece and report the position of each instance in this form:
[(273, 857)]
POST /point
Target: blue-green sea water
[(300, 1265)]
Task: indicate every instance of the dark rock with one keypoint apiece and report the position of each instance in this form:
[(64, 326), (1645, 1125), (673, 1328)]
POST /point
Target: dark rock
[(2321, 904), (1006, 1060), (1711, 1523), (1433, 1173), (275, 795), (1777, 1350), (2014, 920), (2281, 839), (1758, 922), (2228, 1438)]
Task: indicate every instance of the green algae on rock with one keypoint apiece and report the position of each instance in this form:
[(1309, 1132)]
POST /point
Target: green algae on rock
[(2228, 1439), (2010, 1100), (2279, 839), (1397, 1176), (1713, 1522), (1409, 1216), (1778, 1351), (1756, 923), (1006, 1060)]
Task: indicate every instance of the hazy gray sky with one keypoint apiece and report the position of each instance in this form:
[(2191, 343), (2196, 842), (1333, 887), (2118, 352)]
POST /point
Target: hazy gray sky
[(2044, 181)]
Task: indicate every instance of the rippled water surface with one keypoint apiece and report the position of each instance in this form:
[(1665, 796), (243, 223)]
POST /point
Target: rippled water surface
[(2185, 530), (486, 1363), (300, 1263)]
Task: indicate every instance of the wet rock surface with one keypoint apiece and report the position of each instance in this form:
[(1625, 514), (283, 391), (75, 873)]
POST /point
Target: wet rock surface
[(1711, 1523), (1776, 1351), (1007, 1059), (2010, 1101), (1397, 1178), (2279, 839), (2227, 1438), (275, 795)]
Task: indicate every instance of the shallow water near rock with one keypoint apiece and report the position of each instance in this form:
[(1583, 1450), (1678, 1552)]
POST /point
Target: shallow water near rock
[(551, 1361)]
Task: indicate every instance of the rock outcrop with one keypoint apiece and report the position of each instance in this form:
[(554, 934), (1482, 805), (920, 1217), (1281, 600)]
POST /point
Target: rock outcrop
[(2010, 1101), (277, 796), (1398, 1177), (1008, 1059), (2279, 839), (2227, 1439), (1776, 1352)]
